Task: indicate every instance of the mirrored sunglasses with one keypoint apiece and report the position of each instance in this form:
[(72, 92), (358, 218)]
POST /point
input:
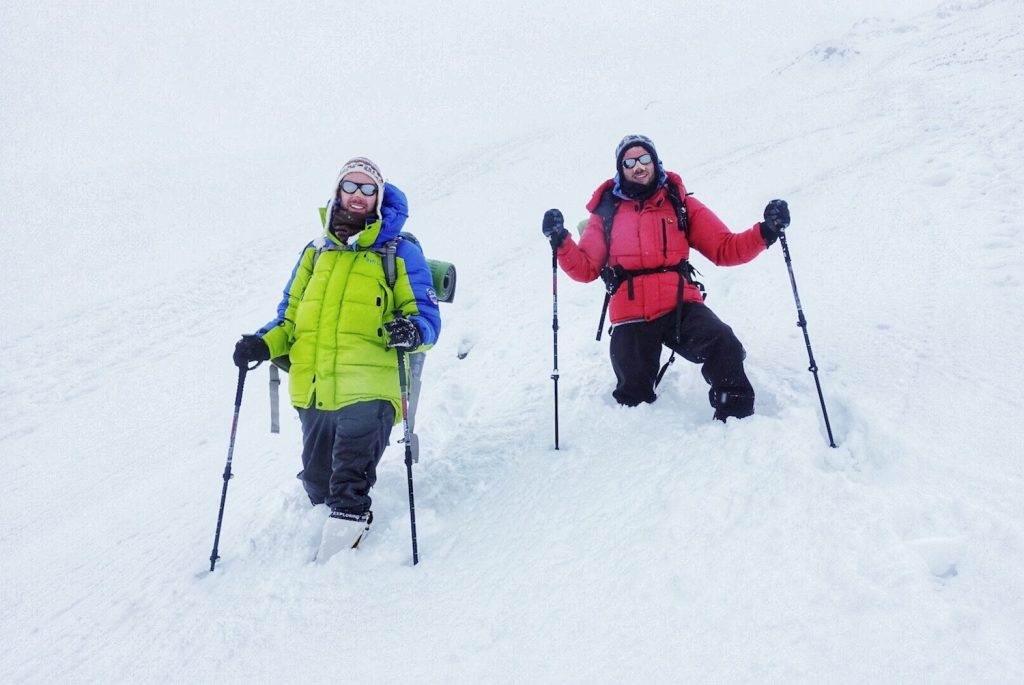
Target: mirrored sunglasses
[(368, 189), (631, 162)]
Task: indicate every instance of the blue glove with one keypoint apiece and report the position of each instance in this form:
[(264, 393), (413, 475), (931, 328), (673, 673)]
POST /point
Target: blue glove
[(403, 334)]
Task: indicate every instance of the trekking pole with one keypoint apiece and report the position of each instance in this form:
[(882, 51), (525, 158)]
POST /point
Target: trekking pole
[(403, 382), (554, 328), (604, 311), (227, 467), (802, 323)]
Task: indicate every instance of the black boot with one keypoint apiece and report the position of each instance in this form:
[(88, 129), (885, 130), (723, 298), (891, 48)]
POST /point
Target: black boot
[(736, 404)]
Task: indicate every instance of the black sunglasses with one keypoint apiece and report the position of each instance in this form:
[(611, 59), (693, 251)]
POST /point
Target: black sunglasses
[(631, 162), (368, 189)]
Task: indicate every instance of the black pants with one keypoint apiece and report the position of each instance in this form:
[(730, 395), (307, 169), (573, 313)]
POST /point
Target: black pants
[(636, 356), (340, 452)]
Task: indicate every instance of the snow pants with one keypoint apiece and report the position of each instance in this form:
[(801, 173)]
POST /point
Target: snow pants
[(340, 452), (636, 356)]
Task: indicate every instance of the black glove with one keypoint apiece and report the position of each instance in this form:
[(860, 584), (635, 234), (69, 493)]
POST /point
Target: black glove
[(612, 277), (553, 228), (776, 219), (403, 334), (250, 348)]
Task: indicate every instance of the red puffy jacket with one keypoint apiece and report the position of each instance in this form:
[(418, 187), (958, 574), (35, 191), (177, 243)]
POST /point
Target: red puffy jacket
[(647, 236)]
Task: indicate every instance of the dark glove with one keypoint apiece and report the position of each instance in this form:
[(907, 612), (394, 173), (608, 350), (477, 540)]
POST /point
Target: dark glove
[(403, 334), (776, 219), (554, 228), (250, 348), (612, 277)]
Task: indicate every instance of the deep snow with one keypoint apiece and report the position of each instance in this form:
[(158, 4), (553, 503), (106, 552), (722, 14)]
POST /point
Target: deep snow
[(161, 170)]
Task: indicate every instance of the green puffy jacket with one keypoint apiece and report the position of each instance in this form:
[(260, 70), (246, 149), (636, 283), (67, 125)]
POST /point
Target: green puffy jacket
[(330, 321)]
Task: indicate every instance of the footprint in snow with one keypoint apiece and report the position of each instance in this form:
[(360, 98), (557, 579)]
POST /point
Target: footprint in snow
[(941, 554)]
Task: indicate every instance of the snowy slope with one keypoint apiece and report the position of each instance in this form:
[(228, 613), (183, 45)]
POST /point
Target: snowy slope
[(655, 546)]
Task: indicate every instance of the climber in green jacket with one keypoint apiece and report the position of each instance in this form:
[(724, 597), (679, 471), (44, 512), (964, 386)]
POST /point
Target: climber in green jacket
[(341, 324)]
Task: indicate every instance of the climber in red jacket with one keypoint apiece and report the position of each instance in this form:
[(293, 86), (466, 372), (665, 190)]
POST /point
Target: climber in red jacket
[(638, 240)]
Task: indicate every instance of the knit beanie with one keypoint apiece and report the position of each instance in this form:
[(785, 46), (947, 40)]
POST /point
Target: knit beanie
[(631, 141), (364, 165), (632, 190)]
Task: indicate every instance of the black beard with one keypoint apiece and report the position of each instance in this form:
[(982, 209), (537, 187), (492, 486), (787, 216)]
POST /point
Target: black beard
[(638, 191)]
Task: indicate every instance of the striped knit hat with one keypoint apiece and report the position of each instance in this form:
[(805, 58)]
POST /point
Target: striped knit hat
[(363, 165)]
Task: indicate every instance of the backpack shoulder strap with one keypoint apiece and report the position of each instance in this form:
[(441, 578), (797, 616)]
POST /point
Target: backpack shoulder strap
[(320, 245), (605, 209), (679, 202), (389, 260)]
